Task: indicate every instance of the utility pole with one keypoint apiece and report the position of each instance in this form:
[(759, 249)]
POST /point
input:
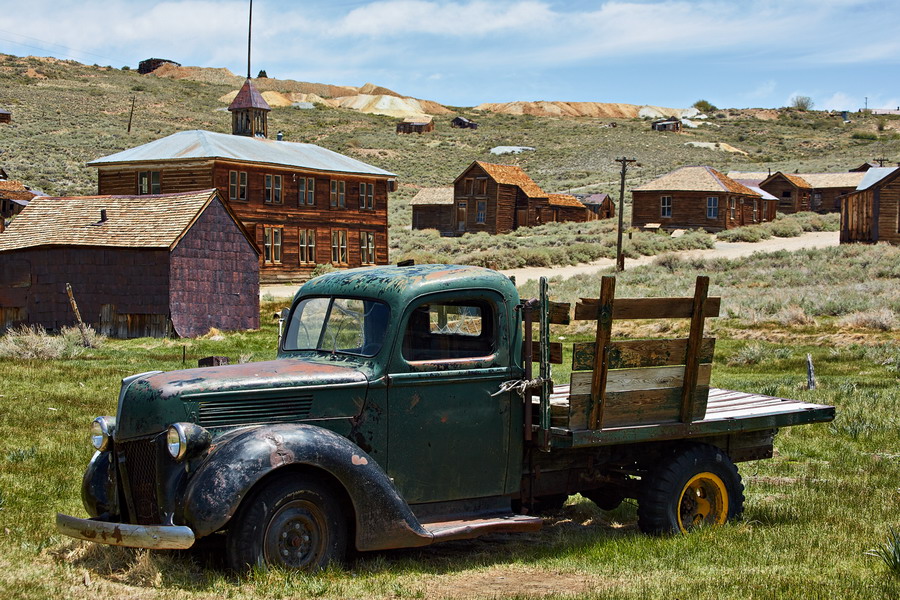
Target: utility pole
[(131, 114), (620, 257), (249, 35)]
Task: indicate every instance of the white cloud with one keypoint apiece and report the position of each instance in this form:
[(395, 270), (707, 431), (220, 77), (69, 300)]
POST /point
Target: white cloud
[(761, 92), (839, 101)]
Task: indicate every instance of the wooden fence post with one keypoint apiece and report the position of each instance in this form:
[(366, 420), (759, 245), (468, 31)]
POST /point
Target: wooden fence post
[(604, 333), (692, 355), (84, 335)]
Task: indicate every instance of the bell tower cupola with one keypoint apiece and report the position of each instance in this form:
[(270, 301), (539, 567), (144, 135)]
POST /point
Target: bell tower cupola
[(249, 112)]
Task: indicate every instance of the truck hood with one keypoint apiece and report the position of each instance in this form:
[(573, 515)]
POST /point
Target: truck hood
[(283, 390)]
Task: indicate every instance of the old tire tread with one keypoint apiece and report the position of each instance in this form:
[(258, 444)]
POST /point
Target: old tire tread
[(657, 504)]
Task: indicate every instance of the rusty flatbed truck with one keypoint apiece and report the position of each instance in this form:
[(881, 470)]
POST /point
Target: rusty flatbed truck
[(402, 411)]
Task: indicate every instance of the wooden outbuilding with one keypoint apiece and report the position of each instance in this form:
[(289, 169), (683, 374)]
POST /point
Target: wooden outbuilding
[(668, 124), (5, 116), (416, 125), (601, 206), (14, 196), (871, 213), (161, 265), (818, 192), (698, 198), (494, 199), (463, 123)]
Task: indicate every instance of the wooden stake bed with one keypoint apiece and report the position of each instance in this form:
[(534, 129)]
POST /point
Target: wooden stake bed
[(727, 411)]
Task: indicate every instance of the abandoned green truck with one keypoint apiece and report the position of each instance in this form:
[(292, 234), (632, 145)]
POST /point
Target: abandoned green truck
[(402, 411)]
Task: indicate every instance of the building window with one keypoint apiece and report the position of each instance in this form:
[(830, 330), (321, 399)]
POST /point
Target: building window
[(272, 237), (148, 183), (237, 186), (732, 208), (273, 189), (307, 245), (468, 186), (307, 193), (665, 206), (755, 210), (712, 207), (338, 196), (367, 195), (367, 247), (481, 215), (481, 186), (339, 246)]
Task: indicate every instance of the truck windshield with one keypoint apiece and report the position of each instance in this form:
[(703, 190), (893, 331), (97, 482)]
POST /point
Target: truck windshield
[(345, 325)]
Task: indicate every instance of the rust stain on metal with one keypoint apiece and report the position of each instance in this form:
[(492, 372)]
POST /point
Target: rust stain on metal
[(280, 455), (359, 460)]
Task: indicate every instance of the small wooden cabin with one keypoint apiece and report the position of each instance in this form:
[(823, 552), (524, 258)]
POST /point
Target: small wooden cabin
[(818, 192), (669, 124), (871, 213), (463, 123), (564, 207), (600, 205), (698, 198), (14, 196), (161, 265), (5, 116), (415, 125), (432, 208)]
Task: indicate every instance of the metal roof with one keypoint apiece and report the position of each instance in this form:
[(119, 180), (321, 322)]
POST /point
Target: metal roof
[(201, 144), (765, 195), (248, 97), (873, 176)]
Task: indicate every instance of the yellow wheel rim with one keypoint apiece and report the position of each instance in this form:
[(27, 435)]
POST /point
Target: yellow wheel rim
[(703, 501)]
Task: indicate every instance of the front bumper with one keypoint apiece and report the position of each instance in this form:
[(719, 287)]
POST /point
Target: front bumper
[(155, 537)]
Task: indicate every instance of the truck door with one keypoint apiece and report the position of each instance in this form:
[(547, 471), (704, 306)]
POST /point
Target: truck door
[(448, 437)]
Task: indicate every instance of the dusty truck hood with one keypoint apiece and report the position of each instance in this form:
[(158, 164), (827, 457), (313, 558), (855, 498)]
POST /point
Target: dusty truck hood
[(283, 390)]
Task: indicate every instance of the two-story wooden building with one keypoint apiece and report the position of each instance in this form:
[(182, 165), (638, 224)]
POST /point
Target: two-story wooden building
[(494, 199), (871, 213), (303, 204), (698, 198)]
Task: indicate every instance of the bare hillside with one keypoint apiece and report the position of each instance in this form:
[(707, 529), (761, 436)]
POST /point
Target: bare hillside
[(601, 110)]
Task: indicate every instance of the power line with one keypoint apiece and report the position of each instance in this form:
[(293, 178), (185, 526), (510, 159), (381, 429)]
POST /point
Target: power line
[(48, 43)]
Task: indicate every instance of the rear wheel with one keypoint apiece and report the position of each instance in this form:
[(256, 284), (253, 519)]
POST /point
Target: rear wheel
[(292, 523), (697, 486)]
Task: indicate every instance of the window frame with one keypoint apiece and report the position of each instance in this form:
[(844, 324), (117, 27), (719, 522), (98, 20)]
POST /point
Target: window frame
[(339, 249), (366, 196), (712, 207), (271, 248), (338, 193), (756, 211), (490, 333), (146, 185), (306, 243), (306, 191), (481, 212), (237, 186), (732, 208), (367, 247), (663, 205), (273, 189), (481, 186)]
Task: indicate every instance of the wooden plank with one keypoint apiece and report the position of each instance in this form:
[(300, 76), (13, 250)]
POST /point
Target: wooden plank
[(634, 408), (604, 332), (648, 378), (647, 308), (560, 313), (627, 354), (692, 362), (556, 352)]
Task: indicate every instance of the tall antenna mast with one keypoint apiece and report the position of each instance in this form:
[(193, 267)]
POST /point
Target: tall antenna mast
[(249, 34)]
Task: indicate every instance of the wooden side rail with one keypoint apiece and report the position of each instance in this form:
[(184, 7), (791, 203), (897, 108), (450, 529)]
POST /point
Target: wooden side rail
[(636, 382)]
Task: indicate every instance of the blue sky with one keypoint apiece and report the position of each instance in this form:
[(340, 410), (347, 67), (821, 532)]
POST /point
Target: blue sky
[(734, 53)]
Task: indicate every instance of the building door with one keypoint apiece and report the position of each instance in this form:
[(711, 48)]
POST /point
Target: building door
[(461, 210), (522, 217)]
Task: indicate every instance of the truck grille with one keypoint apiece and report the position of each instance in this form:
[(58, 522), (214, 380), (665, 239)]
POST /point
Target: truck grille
[(243, 411), (140, 471)]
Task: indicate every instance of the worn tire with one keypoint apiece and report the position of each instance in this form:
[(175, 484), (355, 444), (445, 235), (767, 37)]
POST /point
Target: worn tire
[(698, 485), (291, 522)]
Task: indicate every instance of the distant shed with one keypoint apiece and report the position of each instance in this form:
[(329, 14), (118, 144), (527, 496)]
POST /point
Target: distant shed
[(416, 125), (432, 208), (5, 116), (871, 213), (600, 205), (151, 64), (153, 265), (463, 123), (670, 124)]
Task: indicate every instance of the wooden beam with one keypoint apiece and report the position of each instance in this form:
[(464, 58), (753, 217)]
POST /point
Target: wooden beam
[(556, 352), (559, 313), (604, 332), (647, 308), (625, 380), (630, 354), (692, 361)]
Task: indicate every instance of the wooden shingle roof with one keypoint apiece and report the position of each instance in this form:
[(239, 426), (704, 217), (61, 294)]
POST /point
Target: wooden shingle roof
[(12, 189), (564, 200), (695, 179), (510, 175), (431, 196), (248, 97), (155, 221)]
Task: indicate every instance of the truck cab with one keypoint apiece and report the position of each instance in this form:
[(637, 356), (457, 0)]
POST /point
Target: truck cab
[(402, 410)]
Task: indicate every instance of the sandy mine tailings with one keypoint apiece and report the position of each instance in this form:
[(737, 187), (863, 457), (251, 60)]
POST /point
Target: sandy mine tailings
[(602, 110)]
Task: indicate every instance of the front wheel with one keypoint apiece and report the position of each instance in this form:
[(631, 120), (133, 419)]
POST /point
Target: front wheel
[(294, 523), (697, 486)]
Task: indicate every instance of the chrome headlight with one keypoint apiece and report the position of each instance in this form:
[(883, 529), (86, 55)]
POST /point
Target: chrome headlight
[(186, 439), (101, 432)]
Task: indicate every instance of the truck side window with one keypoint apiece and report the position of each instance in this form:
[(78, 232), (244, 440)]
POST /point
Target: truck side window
[(450, 330)]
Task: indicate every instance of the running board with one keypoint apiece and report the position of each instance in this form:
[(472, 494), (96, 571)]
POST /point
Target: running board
[(466, 529)]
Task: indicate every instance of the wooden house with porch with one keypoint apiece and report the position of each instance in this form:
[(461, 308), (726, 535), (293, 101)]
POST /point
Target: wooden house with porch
[(871, 213), (494, 199), (157, 265), (698, 198), (302, 204)]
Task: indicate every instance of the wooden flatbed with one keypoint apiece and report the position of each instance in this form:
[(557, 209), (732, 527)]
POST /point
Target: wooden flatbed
[(727, 411)]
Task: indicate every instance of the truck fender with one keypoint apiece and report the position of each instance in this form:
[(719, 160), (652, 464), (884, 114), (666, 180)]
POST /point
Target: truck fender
[(99, 486), (238, 461)]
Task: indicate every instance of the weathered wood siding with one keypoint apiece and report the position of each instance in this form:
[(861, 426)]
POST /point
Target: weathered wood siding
[(791, 199), (872, 215), (133, 281), (433, 216), (828, 199), (172, 178), (499, 203), (689, 210), (214, 277)]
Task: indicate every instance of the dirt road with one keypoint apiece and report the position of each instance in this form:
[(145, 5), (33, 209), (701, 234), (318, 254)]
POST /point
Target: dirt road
[(721, 250)]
